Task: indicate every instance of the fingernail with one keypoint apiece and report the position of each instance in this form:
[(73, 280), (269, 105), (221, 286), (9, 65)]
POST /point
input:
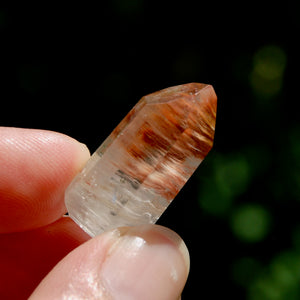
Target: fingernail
[(149, 262), (83, 154), (84, 150)]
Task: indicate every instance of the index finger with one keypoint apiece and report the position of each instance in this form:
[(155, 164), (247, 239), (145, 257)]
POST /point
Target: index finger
[(36, 166)]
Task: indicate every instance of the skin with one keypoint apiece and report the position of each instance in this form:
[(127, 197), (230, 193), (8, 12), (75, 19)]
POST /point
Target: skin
[(45, 255)]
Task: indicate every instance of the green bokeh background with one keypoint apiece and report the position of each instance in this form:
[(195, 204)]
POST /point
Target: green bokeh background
[(78, 69)]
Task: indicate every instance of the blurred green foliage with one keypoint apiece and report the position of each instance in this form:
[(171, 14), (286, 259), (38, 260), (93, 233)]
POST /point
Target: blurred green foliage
[(241, 185), (279, 280)]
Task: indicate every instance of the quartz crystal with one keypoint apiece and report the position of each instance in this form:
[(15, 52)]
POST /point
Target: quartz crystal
[(139, 169)]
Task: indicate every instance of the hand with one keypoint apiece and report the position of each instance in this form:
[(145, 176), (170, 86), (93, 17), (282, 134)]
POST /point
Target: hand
[(44, 252)]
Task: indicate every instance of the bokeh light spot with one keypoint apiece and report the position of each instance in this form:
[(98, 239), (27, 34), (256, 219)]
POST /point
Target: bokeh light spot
[(245, 270), (251, 223), (265, 289), (280, 281), (230, 178), (269, 62), (285, 268), (232, 174), (266, 78)]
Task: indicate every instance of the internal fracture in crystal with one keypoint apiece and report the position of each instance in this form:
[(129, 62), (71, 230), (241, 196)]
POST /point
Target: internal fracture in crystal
[(142, 165)]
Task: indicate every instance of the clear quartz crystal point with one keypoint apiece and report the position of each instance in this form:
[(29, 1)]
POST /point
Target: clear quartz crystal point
[(139, 169)]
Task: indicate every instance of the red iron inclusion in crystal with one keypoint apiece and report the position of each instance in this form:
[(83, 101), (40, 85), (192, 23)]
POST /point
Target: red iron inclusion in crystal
[(146, 160)]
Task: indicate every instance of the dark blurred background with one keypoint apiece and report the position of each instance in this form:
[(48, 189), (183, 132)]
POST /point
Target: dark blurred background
[(79, 68)]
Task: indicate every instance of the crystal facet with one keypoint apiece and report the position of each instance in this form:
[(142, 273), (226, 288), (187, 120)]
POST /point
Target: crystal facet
[(139, 169)]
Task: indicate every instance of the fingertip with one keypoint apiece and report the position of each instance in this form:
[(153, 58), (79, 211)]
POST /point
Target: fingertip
[(148, 262), (82, 153), (178, 242), (160, 234)]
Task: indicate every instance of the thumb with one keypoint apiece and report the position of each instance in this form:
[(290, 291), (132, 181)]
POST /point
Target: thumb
[(148, 262)]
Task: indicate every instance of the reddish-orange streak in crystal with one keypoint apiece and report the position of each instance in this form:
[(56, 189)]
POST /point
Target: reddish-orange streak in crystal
[(182, 127)]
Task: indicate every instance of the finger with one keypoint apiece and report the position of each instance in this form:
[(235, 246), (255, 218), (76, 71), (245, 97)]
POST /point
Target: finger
[(36, 167), (149, 262), (27, 257)]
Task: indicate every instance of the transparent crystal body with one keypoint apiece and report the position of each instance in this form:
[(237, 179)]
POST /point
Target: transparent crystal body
[(142, 165)]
